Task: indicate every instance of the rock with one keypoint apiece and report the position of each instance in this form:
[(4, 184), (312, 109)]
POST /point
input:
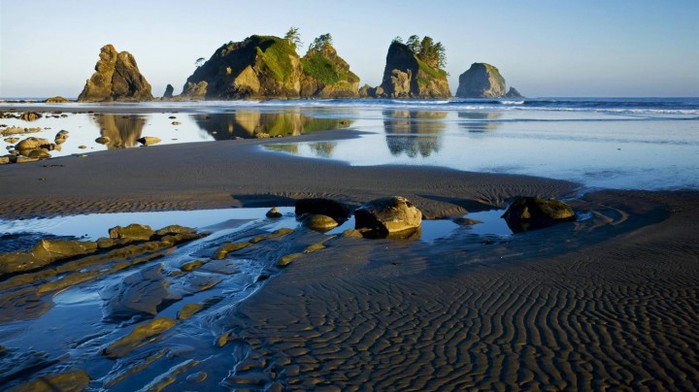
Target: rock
[(319, 222), (33, 143), (116, 78), (61, 137), (287, 259), (337, 211), (56, 99), (366, 91), (142, 334), (274, 213), (149, 140), (18, 131), (132, 232), (38, 154), (195, 90), (71, 381), (405, 76), (388, 217), (103, 140), (175, 229), (44, 253), (5, 159), (82, 146), (513, 93), (11, 140), (141, 293), (30, 116), (531, 213), (168, 91), (481, 81), (176, 123)]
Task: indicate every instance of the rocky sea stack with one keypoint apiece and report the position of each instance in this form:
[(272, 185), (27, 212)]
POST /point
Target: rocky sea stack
[(407, 76), (269, 67), (116, 78), (484, 81)]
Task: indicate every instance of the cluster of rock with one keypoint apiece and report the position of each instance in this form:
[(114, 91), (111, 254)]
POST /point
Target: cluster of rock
[(484, 81), (270, 67), (32, 148)]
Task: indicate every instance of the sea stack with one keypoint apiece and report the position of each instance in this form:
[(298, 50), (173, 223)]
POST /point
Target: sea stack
[(326, 74), (406, 76), (116, 78), (481, 81)]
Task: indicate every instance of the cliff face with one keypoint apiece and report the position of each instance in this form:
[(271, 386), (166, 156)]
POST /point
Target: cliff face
[(116, 78), (405, 76), (269, 67), (327, 75), (481, 81)]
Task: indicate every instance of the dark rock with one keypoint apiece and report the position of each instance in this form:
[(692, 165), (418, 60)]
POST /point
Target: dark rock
[(405, 76), (169, 90), (388, 217), (319, 222), (116, 78), (273, 213), (61, 137), (513, 93), (531, 213), (149, 140), (30, 116), (337, 211), (481, 81)]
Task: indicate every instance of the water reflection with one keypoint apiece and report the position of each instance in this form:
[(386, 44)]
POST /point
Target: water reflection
[(249, 124), (121, 131), (485, 124), (318, 149), (413, 132)]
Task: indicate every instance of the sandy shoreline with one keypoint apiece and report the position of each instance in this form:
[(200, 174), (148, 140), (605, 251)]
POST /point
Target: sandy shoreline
[(608, 302), (239, 174)]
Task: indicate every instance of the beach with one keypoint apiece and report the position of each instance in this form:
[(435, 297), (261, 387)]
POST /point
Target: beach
[(606, 302)]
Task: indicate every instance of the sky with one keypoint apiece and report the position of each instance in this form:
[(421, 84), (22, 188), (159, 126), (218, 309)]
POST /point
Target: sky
[(547, 48)]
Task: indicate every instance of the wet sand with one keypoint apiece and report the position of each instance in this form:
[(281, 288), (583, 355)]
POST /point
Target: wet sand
[(609, 302)]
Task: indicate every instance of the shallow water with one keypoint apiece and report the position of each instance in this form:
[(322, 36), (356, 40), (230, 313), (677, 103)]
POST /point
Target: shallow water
[(601, 143)]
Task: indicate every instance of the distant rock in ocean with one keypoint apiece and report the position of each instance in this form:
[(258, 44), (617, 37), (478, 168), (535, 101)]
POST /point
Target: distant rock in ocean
[(406, 76), (116, 78), (481, 81), (168, 91), (269, 67), (513, 93)]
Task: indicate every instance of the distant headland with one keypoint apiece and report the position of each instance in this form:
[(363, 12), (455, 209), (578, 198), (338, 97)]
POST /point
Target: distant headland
[(269, 67)]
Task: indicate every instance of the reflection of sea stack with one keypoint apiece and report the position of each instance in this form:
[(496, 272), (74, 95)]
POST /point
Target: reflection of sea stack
[(121, 131), (479, 121), (116, 78), (413, 132), (483, 81)]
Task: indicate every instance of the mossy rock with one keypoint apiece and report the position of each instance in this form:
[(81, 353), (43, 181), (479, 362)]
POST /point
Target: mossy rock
[(531, 213)]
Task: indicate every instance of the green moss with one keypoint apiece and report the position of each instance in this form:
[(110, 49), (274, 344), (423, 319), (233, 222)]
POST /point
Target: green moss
[(325, 70), (276, 57), (435, 73)]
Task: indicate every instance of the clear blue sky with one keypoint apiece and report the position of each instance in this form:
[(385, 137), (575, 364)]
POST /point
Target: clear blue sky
[(544, 48)]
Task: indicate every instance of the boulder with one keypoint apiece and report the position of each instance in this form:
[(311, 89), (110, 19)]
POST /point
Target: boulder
[(33, 143), (273, 213), (61, 137), (149, 140), (406, 76), (116, 78), (481, 81), (169, 90), (132, 232), (388, 217), (103, 140), (319, 222), (319, 206), (30, 116), (531, 213)]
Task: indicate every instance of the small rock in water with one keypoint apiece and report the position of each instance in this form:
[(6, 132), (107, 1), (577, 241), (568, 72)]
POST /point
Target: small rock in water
[(103, 140), (274, 213), (149, 140), (319, 222), (30, 116), (531, 213), (389, 217)]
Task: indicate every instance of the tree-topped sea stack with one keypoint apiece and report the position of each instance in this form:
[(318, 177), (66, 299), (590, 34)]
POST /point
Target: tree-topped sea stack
[(116, 78), (483, 81), (327, 75), (414, 70), (269, 67)]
